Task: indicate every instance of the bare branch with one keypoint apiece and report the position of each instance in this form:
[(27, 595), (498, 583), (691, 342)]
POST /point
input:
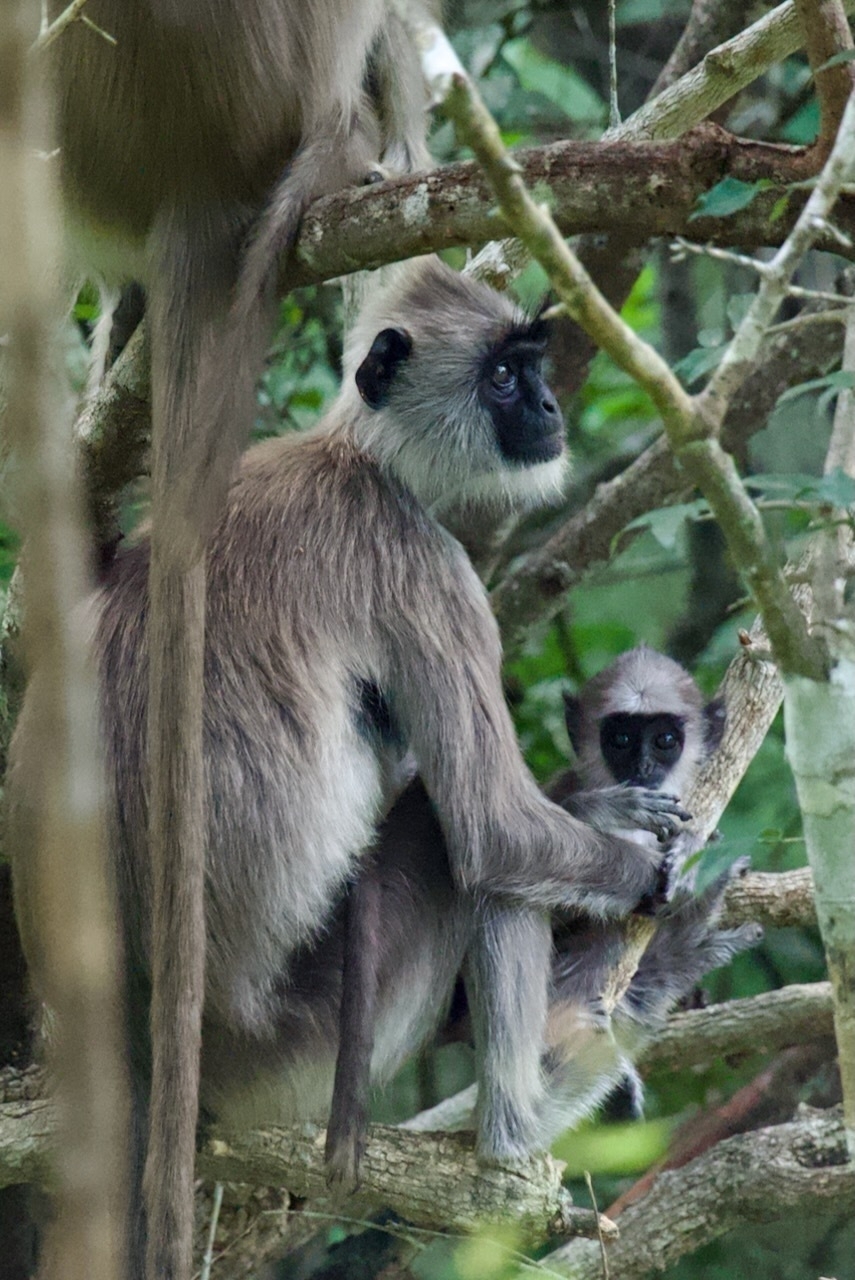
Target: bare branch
[(57, 790), (50, 32), (710, 23), (432, 1180), (774, 1020), (777, 899), (743, 350), (723, 72), (826, 33)]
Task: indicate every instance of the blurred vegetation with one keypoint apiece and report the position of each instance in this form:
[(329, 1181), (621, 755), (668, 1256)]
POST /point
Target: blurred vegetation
[(544, 73)]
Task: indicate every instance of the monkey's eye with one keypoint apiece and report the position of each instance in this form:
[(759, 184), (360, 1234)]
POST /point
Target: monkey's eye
[(504, 379), (620, 741), (666, 741)]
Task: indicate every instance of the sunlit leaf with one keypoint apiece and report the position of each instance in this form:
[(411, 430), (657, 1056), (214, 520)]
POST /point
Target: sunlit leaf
[(488, 1255), (613, 1148)]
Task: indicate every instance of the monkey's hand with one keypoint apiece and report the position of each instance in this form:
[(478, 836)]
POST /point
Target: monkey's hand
[(624, 810)]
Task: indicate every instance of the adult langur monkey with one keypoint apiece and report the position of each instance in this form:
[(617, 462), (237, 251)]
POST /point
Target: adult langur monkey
[(192, 136), (641, 732), (345, 628)]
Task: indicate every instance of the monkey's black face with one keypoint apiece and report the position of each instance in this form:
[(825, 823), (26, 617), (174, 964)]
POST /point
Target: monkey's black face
[(641, 750), (526, 418)]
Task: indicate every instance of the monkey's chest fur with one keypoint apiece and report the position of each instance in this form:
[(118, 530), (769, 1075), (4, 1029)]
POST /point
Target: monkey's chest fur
[(302, 746)]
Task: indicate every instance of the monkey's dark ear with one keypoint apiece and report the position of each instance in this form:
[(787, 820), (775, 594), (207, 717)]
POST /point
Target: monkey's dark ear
[(715, 718), (573, 719), (375, 375)]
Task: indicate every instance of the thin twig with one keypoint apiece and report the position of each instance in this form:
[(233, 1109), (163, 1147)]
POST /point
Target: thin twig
[(52, 31), (603, 1255), (614, 109), (680, 247), (208, 1259)]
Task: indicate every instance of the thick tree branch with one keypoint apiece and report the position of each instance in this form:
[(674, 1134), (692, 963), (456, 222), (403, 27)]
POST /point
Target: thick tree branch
[(58, 785), (431, 1180), (777, 899), (773, 1020), (771, 1097), (756, 1177)]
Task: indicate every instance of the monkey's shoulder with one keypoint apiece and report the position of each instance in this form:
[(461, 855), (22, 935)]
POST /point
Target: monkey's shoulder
[(332, 495)]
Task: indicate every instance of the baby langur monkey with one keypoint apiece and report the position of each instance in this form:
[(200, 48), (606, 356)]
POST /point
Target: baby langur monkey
[(346, 628), (639, 728), (414, 924)]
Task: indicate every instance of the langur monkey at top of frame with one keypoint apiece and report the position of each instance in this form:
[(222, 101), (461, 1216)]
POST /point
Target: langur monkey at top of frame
[(191, 140), (345, 629)]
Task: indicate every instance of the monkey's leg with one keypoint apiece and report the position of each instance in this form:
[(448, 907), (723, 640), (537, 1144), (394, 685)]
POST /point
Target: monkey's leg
[(348, 1120), (334, 155), (506, 975), (396, 88), (686, 944)]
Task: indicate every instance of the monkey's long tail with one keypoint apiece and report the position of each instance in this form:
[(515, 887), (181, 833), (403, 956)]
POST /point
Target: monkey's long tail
[(204, 366)]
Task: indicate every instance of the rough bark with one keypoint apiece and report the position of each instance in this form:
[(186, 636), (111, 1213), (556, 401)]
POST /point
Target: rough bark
[(756, 1177)]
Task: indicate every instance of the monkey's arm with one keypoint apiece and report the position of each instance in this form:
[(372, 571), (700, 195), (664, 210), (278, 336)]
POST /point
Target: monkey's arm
[(504, 836)]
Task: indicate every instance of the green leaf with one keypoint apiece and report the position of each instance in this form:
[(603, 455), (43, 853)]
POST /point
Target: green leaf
[(845, 55), (561, 85), (715, 860), (633, 12), (698, 363), (841, 380), (779, 208), (666, 523), (803, 127), (727, 197), (837, 489), (614, 1148), (737, 308)]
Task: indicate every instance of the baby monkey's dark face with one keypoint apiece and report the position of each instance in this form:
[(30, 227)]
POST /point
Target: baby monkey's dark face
[(641, 750)]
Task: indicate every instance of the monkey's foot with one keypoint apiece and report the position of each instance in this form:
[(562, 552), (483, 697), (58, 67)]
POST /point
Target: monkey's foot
[(342, 1157)]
